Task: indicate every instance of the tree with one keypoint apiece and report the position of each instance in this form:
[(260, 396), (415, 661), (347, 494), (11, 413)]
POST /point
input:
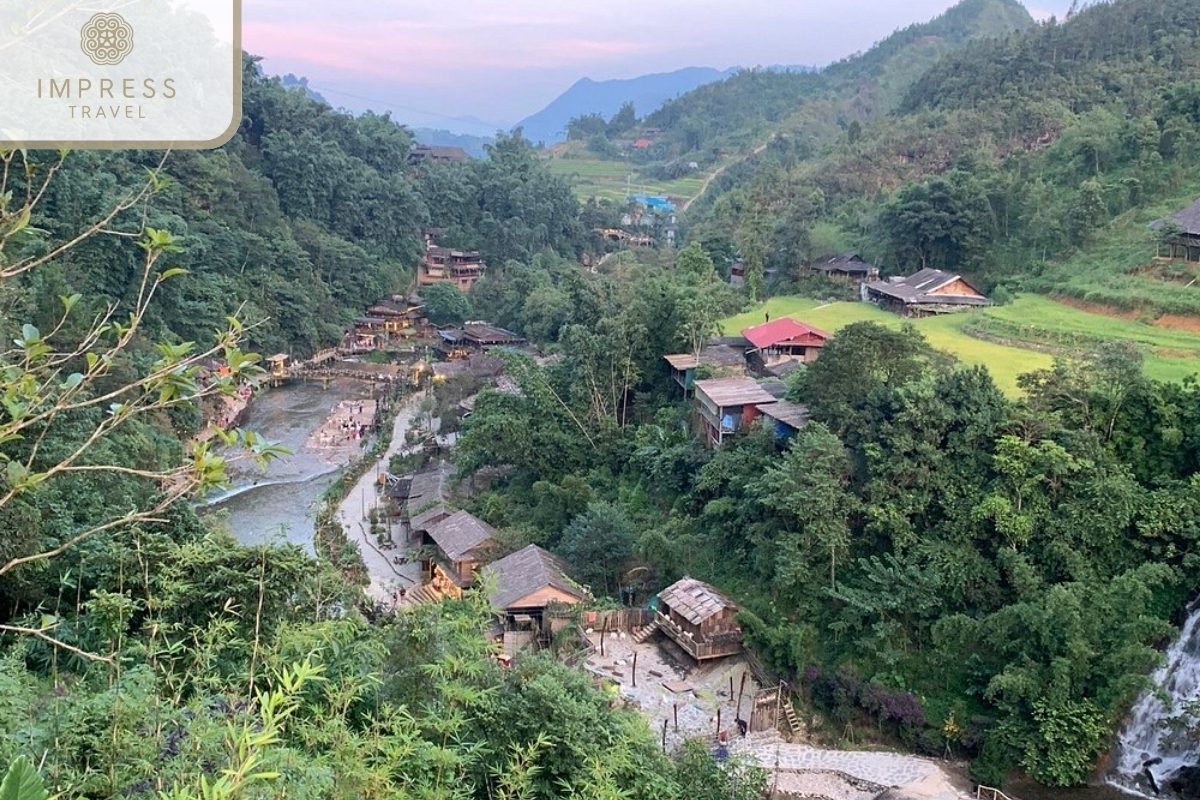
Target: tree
[(598, 545), (67, 391), (622, 121), (445, 304), (810, 490)]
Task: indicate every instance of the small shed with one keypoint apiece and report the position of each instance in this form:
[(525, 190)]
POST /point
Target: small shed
[(786, 418), (699, 619), (725, 405), (848, 268), (721, 360)]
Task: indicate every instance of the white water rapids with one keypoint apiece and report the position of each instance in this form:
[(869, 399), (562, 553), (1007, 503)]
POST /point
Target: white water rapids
[(1146, 735)]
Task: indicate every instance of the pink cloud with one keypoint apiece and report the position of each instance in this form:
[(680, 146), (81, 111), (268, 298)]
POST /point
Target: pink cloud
[(408, 49)]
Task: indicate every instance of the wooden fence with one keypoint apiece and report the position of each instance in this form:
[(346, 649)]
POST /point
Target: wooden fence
[(617, 619)]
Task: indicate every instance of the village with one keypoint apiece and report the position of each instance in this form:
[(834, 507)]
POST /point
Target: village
[(680, 658)]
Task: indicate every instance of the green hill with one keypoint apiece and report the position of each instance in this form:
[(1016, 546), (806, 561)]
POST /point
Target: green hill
[(1034, 160)]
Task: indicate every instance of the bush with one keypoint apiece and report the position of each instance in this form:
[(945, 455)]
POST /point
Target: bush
[(993, 764), (1001, 296)]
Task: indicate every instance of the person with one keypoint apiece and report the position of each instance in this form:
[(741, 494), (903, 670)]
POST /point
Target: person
[(767, 317)]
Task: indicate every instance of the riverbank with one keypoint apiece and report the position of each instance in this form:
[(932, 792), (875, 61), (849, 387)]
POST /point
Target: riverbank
[(384, 576)]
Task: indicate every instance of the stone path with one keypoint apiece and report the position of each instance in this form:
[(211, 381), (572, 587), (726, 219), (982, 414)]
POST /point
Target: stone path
[(386, 575), (917, 777)]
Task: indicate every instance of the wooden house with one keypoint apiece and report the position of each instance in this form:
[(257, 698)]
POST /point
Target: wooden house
[(719, 360), (930, 291), (459, 545), (726, 405), (785, 418), (473, 338), (521, 586), (447, 265), (785, 339), (846, 268), (699, 619), (1184, 241), (425, 501)]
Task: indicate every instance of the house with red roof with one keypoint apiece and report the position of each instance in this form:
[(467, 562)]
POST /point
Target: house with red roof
[(785, 339)]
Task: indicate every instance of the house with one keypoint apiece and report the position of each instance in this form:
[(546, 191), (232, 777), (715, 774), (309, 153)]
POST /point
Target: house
[(474, 337), (930, 291), (423, 154), (459, 545), (847, 268), (727, 405), (521, 586), (447, 265), (1185, 239), (425, 503), (786, 418), (699, 619), (737, 274), (721, 360), (785, 339)]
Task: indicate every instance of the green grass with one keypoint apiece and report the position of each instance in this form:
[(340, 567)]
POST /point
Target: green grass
[(945, 333), (606, 179), (1170, 355)]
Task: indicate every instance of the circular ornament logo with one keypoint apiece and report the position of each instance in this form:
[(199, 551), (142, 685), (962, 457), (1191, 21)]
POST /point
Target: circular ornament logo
[(106, 39)]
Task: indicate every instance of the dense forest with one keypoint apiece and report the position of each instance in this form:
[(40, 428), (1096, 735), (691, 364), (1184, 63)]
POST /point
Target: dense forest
[(928, 561)]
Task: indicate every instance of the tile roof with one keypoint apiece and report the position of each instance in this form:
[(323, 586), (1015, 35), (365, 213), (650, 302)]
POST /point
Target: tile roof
[(461, 533), (525, 572), (782, 330), (426, 496), (726, 392), (694, 600)]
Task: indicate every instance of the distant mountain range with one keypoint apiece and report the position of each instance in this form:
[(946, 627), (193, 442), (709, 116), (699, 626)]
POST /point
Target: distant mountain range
[(646, 92), (587, 96)]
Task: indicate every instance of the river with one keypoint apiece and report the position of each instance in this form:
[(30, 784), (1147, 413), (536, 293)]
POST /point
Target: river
[(278, 505)]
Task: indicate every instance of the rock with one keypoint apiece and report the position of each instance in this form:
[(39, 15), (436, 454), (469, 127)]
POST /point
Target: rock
[(1185, 782)]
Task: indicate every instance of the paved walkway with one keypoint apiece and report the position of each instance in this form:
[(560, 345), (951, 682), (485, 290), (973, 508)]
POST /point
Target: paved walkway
[(386, 575), (918, 777)]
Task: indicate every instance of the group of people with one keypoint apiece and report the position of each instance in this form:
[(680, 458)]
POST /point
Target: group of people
[(354, 430)]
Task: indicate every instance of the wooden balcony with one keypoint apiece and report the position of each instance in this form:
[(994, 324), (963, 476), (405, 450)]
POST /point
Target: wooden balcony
[(698, 649)]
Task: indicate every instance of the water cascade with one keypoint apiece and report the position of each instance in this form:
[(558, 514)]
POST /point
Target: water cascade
[(1147, 744)]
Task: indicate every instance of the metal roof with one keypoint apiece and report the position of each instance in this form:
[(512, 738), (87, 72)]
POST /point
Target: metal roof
[(920, 288), (793, 415), (782, 330), (726, 392)]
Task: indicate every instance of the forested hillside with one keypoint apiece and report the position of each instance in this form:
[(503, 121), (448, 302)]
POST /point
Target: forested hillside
[(742, 110), (1006, 155), (306, 216)]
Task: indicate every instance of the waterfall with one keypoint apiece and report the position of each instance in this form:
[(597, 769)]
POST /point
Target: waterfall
[(1146, 735)]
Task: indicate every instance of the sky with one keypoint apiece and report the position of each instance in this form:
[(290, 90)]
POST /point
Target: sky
[(448, 63)]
